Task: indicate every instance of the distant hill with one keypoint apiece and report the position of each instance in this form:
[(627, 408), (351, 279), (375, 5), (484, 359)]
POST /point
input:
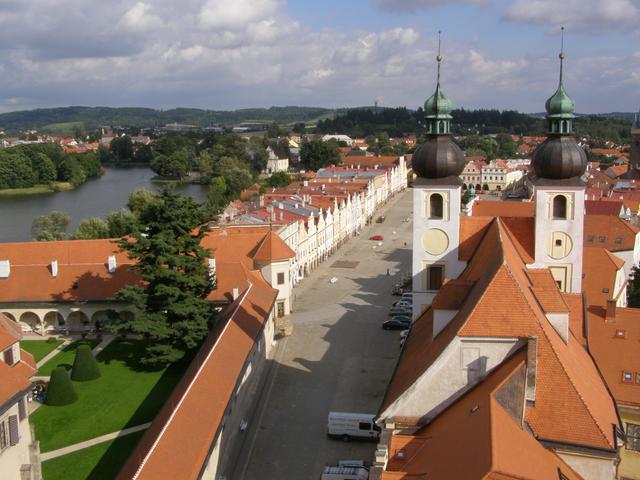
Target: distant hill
[(51, 119)]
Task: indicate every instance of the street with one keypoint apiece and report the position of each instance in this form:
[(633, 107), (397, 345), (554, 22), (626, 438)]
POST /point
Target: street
[(338, 358)]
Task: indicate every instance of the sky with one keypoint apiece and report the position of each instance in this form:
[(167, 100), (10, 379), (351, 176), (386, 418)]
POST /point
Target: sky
[(228, 54)]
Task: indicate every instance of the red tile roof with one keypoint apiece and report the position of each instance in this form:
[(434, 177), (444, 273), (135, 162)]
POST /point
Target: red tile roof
[(178, 442), (500, 208), (599, 270), (603, 207), (14, 378), (614, 345), (612, 233), (476, 437)]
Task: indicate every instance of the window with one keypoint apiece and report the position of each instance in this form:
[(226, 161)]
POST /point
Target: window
[(602, 238), (618, 240), (627, 377), (8, 356), (559, 207), (281, 278), (633, 436), (558, 242), (620, 334), (434, 277), (280, 308), (8, 432), (590, 238), (364, 426), (638, 377), (436, 204)]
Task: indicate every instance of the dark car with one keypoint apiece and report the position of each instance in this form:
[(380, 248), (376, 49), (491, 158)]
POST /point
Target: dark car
[(380, 219), (396, 324)]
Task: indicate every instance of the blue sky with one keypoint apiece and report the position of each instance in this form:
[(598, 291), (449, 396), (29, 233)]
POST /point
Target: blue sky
[(257, 53)]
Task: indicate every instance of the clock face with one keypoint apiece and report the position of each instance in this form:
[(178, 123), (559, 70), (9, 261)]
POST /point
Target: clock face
[(435, 241), (559, 245)]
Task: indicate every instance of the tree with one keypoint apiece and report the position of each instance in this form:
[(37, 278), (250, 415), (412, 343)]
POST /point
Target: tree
[(60, 390), (235, 173), (121, 223), (70, 170), (85, 366), (122, 149), (274, 131), (91, 229), (176, 165), (205, 166), (317, 154), (43, 168), (52, 226), (217, 198), (299, 128), (15, 170), (171, 300), (140, 200), (143, 154), (633, 289), (507, 147), (279, 180)]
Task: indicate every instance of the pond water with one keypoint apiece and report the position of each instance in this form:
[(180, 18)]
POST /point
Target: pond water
[(95, 198)]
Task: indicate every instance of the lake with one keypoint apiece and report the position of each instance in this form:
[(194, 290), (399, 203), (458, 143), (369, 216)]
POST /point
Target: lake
[(95, 198)]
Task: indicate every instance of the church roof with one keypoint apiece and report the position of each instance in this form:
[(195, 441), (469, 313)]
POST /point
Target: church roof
[(272, 249), (572, 404)]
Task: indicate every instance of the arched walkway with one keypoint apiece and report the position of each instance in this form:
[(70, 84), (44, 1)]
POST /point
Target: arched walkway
[(77, 321), (53, 321), (30, 322), (9, 316)]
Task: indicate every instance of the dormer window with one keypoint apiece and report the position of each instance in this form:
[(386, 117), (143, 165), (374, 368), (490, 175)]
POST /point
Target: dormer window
[(627, 377), (559, 207), (436, 206), (620, 334), (8, 356)]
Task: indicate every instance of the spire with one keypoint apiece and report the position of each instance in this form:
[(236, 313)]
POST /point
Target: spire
[(560, 106), (438, 107), (636, 122)]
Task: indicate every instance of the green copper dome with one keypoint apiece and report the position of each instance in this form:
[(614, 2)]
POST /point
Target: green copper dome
[(560, 105), (438, 106)]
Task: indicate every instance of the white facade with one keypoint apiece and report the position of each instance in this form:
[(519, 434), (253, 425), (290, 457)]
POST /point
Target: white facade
[(559, 234), (436, 238)]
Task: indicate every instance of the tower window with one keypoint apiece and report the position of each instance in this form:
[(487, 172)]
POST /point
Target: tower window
[(434, 277), (436, 206), (559, 207)]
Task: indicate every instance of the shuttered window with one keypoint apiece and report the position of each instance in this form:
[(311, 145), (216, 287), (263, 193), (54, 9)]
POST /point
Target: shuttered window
[(8, 356), (13, 430), (4, 433)]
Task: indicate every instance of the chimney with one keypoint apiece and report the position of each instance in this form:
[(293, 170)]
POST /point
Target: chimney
[(112, 264), (611, 311), (235, 293), (5, 268), (54, 268)]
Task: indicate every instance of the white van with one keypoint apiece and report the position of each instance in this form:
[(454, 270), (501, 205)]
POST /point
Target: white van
[(352, 425), (345, 473)]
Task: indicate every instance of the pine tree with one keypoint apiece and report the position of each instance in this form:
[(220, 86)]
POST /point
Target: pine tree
[(60, 390), (85, 366), (633, 289), (173, 312)]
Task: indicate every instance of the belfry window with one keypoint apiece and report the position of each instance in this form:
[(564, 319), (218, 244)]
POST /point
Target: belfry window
[(559, 207), (436, 206)]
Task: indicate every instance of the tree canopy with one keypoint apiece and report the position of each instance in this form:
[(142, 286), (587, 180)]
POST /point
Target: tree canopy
[(52, 226), (173, 313), (317, 154)]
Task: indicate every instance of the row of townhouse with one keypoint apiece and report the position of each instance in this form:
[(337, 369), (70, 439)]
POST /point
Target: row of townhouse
[(497, 175), (315, 217)]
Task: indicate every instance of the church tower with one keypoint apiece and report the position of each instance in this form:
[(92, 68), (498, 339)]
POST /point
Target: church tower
[(559, 193), (436, 203)]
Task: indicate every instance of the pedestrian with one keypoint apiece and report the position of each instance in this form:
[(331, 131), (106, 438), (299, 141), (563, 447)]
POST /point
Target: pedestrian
[(388, 272)]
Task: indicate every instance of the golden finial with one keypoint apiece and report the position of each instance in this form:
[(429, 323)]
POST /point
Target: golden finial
[(439, 57)]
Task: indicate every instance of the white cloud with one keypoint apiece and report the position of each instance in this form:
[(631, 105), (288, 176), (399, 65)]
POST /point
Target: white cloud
[(595, 16), (140, 18), (414, 5), (235, 15)]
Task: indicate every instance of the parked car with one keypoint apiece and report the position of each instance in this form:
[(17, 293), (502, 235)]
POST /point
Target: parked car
[(397, 289), (401, 310), (403, 318), (377, 238), (395, 324), (352, 425), (348, 472), (403, 302), (380, 219)]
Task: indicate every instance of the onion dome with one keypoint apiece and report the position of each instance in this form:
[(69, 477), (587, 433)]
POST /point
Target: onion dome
[(439, 156), (559, 157)]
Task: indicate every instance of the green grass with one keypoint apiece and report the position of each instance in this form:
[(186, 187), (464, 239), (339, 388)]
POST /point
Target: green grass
[(39, 348), (65, 357), (36, 189), (64, 128), (100, 462), (125, 396)]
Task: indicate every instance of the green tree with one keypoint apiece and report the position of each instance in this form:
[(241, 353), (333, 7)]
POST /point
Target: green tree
[(317, 154), (52, 226), (43, 168), (60, 390), (122, 149), (299, 128), (15, 170), (633, 289), (104, 155), (144, 154), (91, 229), (85, 367), (140, 200), (70, 170), (173, 312), (176, 165), (506, 145), (279, 180), (121, 223), (235, 173), (205, 166), (217, 198)]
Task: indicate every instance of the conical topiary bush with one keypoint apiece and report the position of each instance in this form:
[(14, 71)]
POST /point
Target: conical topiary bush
[(85, 366), (60, 391)]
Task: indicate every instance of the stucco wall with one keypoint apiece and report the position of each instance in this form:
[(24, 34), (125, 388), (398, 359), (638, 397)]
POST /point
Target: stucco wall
[(12, 458), (590, 468)]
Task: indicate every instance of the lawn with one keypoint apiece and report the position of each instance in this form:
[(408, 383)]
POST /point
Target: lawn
[(125, 396), (40, 348), (100, 462), (65, 357)]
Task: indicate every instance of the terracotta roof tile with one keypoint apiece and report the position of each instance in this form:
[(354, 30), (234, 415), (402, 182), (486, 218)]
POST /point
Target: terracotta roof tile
[(612, 233), (487, 208), (603, 207), (10, 332), (272, 248), (600, 269)]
